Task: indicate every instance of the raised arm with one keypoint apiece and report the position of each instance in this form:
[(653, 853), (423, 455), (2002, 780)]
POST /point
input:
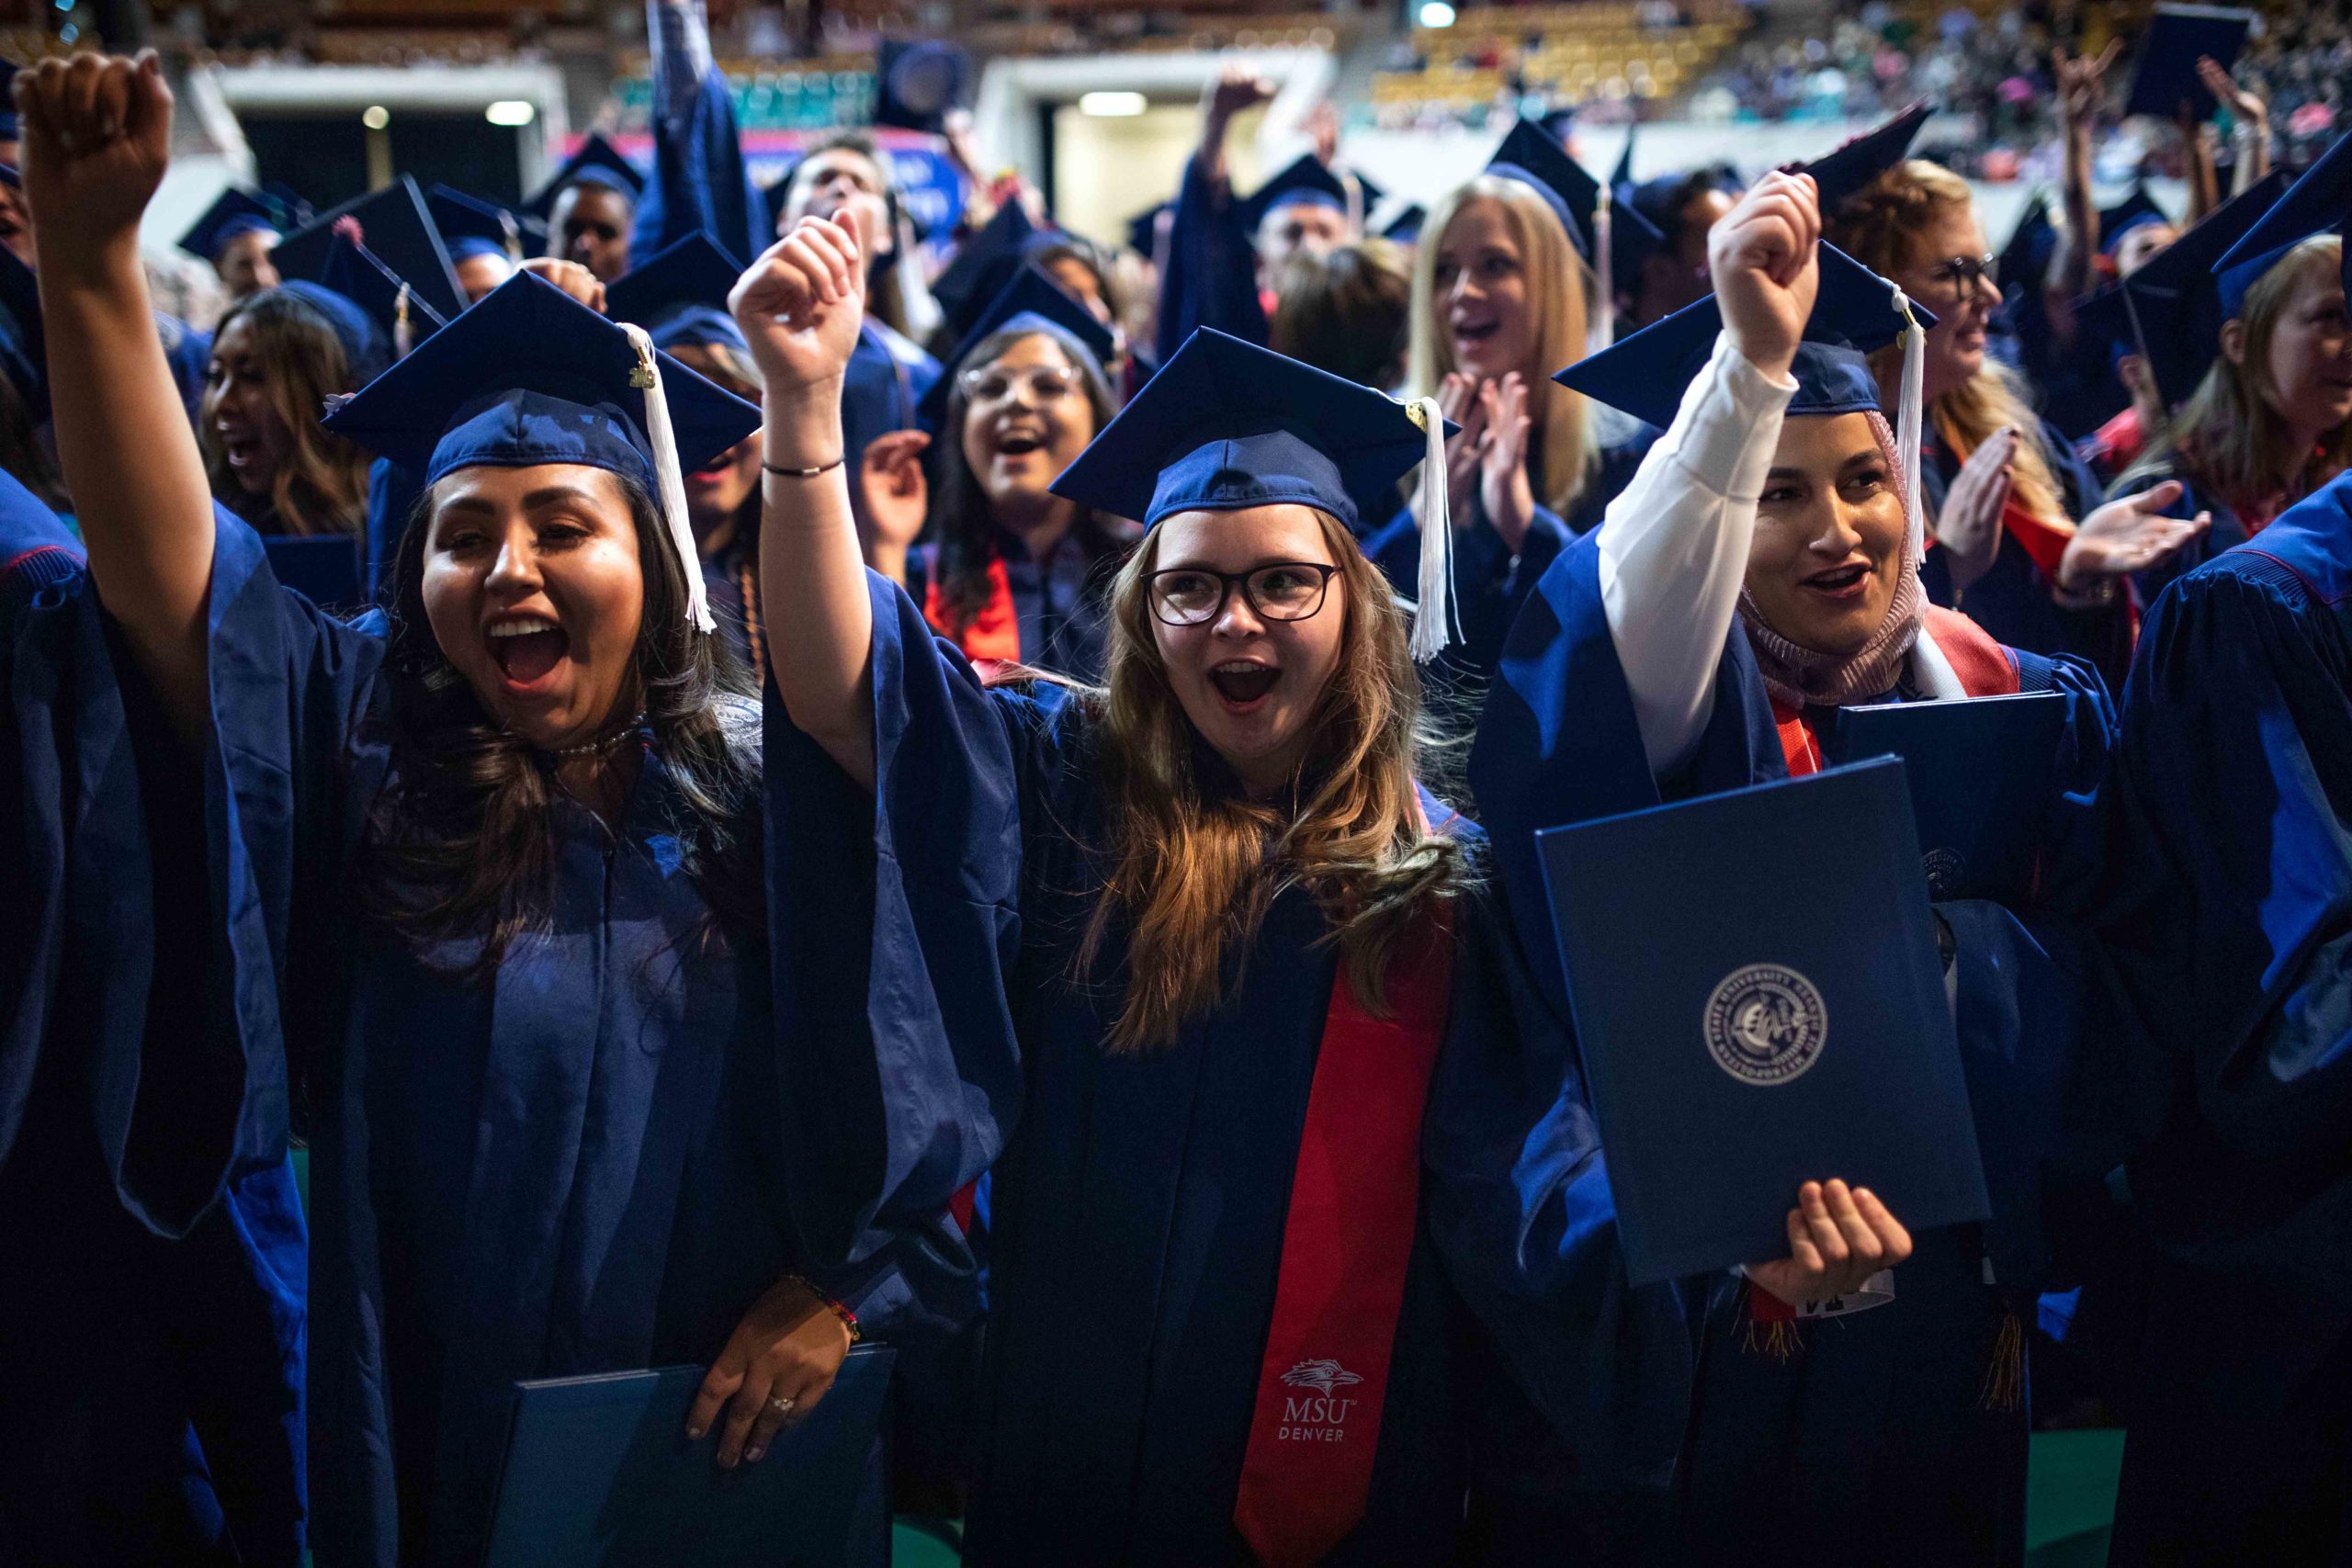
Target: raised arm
[(2081, 87), (799, 307), (1674, 544), (96, 139)]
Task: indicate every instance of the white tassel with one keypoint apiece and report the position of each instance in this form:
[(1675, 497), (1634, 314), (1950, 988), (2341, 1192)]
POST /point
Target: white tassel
[(403, 335), (1604, 313), (669, 474), (1434, 621), (1907, 420), (1354, 187)]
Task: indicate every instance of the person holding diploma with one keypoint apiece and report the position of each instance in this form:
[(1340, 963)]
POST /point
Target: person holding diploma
[(486, 881), (1761, 570)]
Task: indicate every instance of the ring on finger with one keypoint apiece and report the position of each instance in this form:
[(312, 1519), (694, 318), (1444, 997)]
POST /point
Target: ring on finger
[(781, 1405)]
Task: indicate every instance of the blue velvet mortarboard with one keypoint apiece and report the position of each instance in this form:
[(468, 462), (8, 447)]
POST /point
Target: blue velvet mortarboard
[(232, 213), (1307, 180), (597, 162), (531, 376), (2135, 210), (1032, 300), (1227, 425), (988, 262), (366, 351), (358, 275), (2176, 35), (1531, 156), (2319, 202), (394, 223), (1851, 165), (1853, 315), (2171, 310), (472, 226), (679, 296)]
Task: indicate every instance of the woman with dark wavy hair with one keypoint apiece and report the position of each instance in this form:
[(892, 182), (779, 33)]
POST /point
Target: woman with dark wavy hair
[(488, 882)]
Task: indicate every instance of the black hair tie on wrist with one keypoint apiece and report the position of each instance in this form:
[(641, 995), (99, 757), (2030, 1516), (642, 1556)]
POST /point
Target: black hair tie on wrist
[(804, 473)]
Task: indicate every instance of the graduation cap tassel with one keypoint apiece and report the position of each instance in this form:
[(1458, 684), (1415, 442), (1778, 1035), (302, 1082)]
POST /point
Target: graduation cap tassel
[(1604, 313), (403, 335), (669, 474), (1433, 622), (1355, 189), (511, 234), (1908, 419)]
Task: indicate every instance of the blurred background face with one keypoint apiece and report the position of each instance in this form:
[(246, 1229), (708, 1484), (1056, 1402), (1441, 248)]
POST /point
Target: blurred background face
[(237, 417), (1942, 253), (716, 492), (838, 179), (479, 273), (2139, 247), (1828, 550), (1677, 276), (2307, 370), (244, 265), (1025, 420), (1483, 304), (590, 225), (1299, 226)]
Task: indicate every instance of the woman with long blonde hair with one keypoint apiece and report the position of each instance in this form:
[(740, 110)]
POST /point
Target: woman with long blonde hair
[(1174, 956), (2053, 576), (2272, 420), (1502, 298)]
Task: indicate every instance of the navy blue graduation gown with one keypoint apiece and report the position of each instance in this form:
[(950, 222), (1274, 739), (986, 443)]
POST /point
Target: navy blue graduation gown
[(1062, 602), (701, 182), (887, 377), (1137, 1210), (392, 493), (2012, 599), (1210, 276), (2232, 923), (152, 1308), (1876, 1431), (575, 1168), (1489, 584)]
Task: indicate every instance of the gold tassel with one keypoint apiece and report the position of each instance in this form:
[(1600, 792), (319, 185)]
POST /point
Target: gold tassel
[(1779, 1339), (2005, 1374)]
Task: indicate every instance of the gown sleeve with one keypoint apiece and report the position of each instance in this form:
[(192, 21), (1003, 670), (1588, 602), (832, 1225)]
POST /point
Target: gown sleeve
[(2234, 927), (1521, 1210), (895, 925), (182, 1007), (701, 182), (1211, 279)]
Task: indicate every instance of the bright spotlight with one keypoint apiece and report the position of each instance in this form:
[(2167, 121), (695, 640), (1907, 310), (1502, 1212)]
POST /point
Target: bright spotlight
[(511, 112), (1111, 106), (1437, 13), (376, 116)]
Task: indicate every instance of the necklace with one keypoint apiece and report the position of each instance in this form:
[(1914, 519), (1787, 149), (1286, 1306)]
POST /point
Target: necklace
[(602, 745)]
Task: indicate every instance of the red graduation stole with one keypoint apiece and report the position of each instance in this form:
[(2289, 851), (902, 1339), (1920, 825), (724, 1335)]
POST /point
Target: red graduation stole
[(1353, 1199), (1983, 666), (994, 633)]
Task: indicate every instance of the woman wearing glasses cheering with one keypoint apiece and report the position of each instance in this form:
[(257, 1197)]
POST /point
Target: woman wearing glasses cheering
[(2022, 546), (1009, 571)]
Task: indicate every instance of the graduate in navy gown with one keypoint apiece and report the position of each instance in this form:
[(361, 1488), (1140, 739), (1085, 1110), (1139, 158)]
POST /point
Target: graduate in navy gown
[(1761, 570), (1002, 567), (2271, 419), (2052, 578), (589, 206), (152, 1317), (1507, 288), (1124, 943), (486, 884), (2231, 921), (701, 183), (235, 237)]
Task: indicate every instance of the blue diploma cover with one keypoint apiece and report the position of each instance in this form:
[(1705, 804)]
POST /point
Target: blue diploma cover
[(599, 1474), (1983, 770), (1760, 1003), (2177, 36)]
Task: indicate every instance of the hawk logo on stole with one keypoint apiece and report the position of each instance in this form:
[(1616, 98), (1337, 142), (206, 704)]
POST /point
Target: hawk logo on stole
[(1323, 1377), (1765, 1024)]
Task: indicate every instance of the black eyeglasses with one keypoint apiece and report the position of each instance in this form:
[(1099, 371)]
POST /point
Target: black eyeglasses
[(1960, 273), (1284, 590)]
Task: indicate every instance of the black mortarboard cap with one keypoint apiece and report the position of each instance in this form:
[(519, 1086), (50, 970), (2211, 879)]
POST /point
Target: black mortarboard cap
[(916, 83), (2318, 203), (469, 225), (597, 162), (394, 223), (232, 212), (1850, 166), (2177, 36)]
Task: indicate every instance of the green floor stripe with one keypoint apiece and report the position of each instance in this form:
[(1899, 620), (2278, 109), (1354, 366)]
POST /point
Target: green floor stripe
[(2069, 1498)]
